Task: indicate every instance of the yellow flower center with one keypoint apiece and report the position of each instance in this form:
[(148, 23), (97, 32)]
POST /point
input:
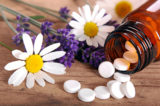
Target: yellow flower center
[(34, 63), (123, 8), (90, 29)]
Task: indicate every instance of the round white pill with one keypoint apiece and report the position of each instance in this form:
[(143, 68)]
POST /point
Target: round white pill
[(106, 69), (121, 64), (86, 95), (128, 89), (71, 86), (129, 46), (102, 92), (132, 57), (115, 90), (121, 77), (109, 83)]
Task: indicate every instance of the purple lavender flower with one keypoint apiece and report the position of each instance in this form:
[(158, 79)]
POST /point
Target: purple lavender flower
[(33, 38), (22, 27), (17, 39), (91, 55), (45, 27), (64, 12), (97, 57), (68, 44)]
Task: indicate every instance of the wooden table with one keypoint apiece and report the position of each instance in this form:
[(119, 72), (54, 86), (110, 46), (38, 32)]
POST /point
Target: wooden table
[(147, 82)]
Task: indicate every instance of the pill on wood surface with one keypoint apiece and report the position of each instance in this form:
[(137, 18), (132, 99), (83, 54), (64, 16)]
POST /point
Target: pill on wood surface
[(71, 86), (106, 69), (86, 95), (128, 89), (110, 82), (102, 92), (115, 90), (121, 77)]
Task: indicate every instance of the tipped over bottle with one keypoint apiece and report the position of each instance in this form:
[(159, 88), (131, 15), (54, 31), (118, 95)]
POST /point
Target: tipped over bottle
[(141, 28)]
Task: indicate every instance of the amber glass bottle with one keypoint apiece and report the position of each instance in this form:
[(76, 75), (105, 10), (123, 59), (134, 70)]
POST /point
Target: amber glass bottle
[(142, 28)]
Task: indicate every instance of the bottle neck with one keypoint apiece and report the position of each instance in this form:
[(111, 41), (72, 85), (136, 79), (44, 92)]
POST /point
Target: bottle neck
[(128, 31)]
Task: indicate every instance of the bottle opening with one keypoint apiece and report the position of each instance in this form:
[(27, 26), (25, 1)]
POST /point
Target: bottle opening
[(121, 50)]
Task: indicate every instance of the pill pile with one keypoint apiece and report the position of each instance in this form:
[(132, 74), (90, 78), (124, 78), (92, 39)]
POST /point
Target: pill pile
[(118, 88)]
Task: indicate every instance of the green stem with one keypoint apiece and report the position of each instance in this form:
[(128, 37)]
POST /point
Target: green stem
[(44, 10), (32, 21), (7, 22), (6, 46)]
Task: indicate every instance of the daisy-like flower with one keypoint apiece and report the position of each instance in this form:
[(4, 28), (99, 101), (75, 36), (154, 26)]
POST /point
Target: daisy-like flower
[(120, 8), (33, 61), (90, 26)]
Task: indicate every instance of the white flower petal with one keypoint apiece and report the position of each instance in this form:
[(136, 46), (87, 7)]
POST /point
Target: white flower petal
[(39, 79), (30, 80), (21, 77), (82, 38), (19, 54), (18, 76), (78, 17), (47, 77), (89, 41), (23, 56), (38, 43), (49, 49), (53, 55), (80, 12), (54, 68), (14, 65), (100, 40), (28, 43), (77, 31), (75, 24), (87, 12), (95, 11), (106, 28), (95, 43), (99, 15), (104, 20), (16, 53), (103, 35)]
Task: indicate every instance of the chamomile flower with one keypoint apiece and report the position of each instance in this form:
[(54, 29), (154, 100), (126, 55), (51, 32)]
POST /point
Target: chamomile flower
[(91, 26), (33, 61), (120, 8)]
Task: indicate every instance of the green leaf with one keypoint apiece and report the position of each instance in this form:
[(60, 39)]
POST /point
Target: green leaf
[(37, 17)]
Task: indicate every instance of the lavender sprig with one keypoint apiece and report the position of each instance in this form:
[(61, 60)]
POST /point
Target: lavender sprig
[(68, 43), (64, 12), (22, 27)]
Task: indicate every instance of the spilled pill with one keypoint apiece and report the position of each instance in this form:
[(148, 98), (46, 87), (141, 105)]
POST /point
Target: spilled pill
[(86, 95), (121, 64), (128, 89), (109, 83), (121, 77), (102, 92), (132, 57), (115, 90), (71, 86), (106, 69)]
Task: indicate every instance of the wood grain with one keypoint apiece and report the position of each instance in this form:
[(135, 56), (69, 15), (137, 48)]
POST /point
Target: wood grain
[(147, 82)]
